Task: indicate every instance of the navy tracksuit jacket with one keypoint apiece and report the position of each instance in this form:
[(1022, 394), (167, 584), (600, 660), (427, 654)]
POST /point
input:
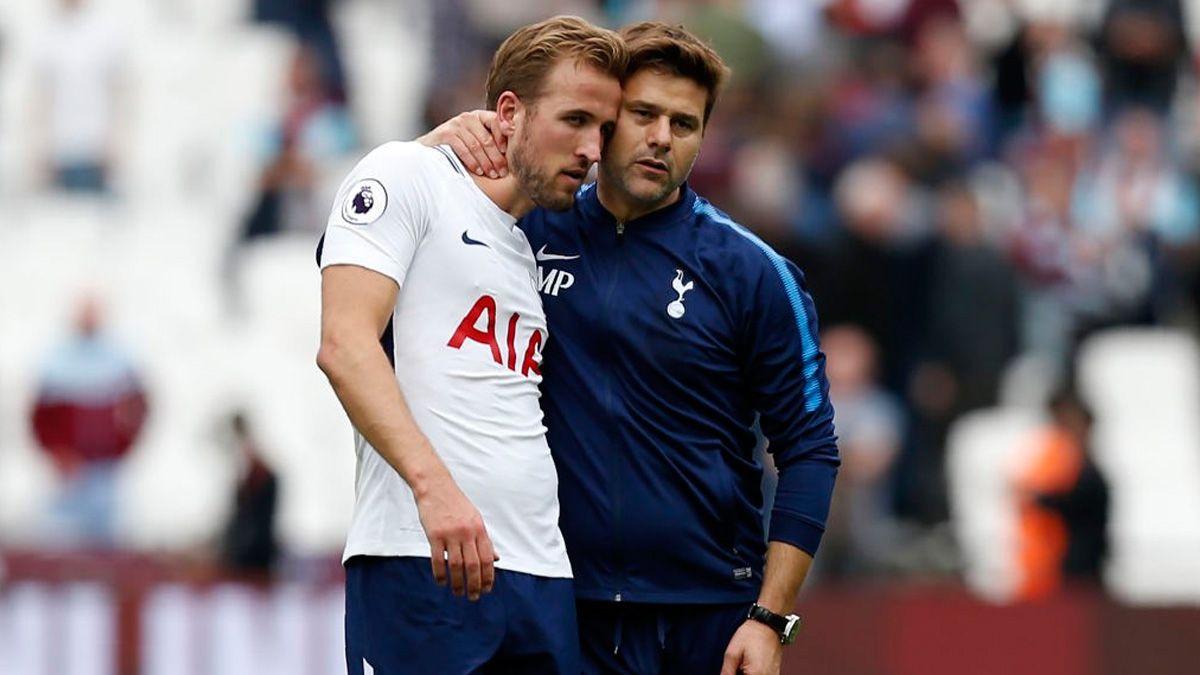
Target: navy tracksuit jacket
[(669, 336)]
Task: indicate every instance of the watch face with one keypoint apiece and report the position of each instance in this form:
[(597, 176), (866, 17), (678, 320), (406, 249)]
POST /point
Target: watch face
[(792, 630)]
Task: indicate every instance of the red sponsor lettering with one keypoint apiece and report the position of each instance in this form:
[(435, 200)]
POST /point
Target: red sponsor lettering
[(512, 336), (535, 344), (468, 329)]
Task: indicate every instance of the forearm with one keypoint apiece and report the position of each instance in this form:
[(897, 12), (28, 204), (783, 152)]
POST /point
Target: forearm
[(787, 567), (364, 382)]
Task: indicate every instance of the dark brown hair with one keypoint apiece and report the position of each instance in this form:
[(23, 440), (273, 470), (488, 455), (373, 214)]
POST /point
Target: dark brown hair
[(672, 49), (527, 56)]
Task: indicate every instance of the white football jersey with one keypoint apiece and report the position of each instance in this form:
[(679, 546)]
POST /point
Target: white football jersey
[(466, 339)]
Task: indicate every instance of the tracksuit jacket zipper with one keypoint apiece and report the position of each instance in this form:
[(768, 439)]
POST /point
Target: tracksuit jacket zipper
[(617, 458)]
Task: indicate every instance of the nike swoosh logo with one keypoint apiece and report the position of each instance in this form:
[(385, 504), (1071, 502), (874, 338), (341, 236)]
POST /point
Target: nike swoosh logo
[(542, 256), (472, 242)]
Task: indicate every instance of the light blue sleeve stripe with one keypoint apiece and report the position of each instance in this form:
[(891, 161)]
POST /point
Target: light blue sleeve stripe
[(809, 351)]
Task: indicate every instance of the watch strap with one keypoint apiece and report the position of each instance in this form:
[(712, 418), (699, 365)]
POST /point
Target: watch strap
[(784, 626)]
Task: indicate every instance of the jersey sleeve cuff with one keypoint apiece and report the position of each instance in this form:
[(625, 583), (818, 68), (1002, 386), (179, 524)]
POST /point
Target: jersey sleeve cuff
[(343, 247), (796, 530)]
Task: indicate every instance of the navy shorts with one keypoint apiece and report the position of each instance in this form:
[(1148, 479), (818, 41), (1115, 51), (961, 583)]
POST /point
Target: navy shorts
[(635, 638), (399, 622)]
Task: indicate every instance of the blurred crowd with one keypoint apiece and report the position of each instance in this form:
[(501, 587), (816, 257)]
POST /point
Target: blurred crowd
[(967, 184)]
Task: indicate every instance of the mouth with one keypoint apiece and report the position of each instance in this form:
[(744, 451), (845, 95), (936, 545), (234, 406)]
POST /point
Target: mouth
[(654, 166), (575, 176)]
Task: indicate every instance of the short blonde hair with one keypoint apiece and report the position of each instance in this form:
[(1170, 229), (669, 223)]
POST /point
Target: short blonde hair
[(672, 49), (521, 63)]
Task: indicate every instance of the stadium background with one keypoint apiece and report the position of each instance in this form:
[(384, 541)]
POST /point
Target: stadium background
[(991, 198)]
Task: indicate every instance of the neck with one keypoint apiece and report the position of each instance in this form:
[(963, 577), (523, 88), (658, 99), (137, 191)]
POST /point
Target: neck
[(624, 208), (506, 193)]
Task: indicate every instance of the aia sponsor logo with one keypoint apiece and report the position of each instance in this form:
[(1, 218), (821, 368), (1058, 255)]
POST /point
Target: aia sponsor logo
[(484, 312)]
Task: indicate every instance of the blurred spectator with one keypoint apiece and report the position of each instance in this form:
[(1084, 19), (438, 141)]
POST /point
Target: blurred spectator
[(1142, 46), (861, 535), (80, 73), (898, 18), (727, 28), (973, 305), (1011, 82), (248, 545), (314, 130), (918, 15), (1068, 86), (793, 29), (311, 23), (1137, 203), (875, 273), (767, 188), (1064, 504), (954, 116), (461, 53), (867, 17), (872, 109), (971, 337), (1058, 265), (89, 410)]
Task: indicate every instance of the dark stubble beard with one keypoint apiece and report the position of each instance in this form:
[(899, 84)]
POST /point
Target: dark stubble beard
[(620, 177), (534, 181)]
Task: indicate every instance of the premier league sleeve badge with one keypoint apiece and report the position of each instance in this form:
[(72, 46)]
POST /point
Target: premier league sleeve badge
[(365, 202)]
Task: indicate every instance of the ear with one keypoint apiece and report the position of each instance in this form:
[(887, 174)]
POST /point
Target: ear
[(509, 110)]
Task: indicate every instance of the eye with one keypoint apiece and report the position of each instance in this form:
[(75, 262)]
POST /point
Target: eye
[(642, 113), (684, 125), (575, 120)]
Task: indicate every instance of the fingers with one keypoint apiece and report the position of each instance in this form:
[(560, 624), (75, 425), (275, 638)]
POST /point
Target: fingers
[(735, 656), (458, 540), (484, 128), (457, 581), (488, 119), (437, 559), (476, 139), (483, 125), (730, 665), (487, 567), (463, 148), (477, 148), (471, 567), (498, 167)]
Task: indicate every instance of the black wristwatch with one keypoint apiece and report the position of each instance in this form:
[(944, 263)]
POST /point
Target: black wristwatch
[(786, 626)]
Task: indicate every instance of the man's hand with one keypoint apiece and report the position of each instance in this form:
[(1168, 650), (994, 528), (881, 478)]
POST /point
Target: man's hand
[(754, 650), (457, 538), (476, 139)]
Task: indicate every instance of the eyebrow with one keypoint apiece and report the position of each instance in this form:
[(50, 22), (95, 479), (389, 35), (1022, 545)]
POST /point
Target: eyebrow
[(659, 110)]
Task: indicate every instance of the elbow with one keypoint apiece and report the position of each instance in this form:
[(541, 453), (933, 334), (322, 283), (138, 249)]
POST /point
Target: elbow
[(345, 351), (330, 356)]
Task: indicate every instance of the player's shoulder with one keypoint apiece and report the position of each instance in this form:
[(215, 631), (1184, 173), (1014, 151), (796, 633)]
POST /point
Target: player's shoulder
[(408, 170), (733, 242), (395, 173), (407, 157)]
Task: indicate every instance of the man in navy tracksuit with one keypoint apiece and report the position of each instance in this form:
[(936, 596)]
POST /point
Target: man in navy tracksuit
[(672, 330)]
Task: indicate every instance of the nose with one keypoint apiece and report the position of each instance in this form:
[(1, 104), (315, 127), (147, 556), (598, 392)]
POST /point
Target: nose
[(590, 145), (658, 134)]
